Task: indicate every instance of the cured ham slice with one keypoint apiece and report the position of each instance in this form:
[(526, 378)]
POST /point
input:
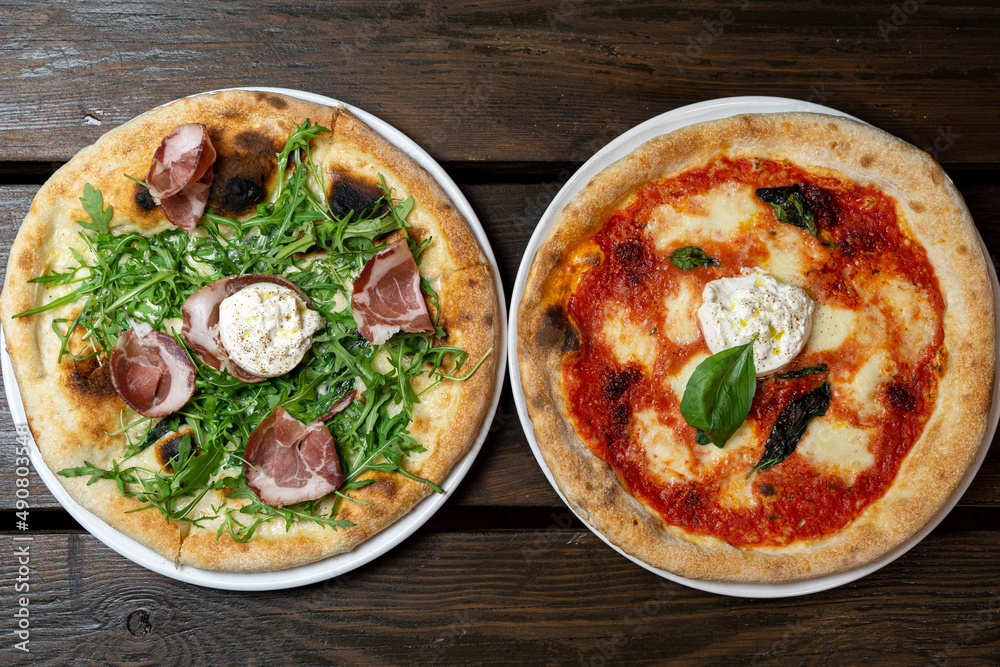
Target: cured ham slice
[(340, 405), (151, 372), (180, 176), (387, 296), (289, 462), (201, 319)]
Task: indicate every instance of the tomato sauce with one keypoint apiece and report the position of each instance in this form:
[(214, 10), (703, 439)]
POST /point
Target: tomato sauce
[(794, 500)]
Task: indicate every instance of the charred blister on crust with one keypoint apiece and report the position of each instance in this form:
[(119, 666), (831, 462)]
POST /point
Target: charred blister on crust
[(143, 200), (272, 100), (167, 447), (556, 331), (349, 192), (245, 165), (89, 379)]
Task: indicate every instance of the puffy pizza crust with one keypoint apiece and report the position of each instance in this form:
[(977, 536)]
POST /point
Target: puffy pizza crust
[(935, 215), (72, 407)]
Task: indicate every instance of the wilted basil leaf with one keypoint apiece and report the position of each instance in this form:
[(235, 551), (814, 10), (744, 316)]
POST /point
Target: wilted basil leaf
[(802, 372), (791, 424), (718, 396), (691, 257), (790, 206)]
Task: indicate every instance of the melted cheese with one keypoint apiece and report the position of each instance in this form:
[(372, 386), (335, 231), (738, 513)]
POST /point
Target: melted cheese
[(665, 457), (680, 324), (860, 389), (717, 215), (830, 327), (629, 339), (836, 447), (678, 382)]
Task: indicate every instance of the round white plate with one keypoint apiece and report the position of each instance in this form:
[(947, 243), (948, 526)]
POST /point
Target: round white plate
[(374, 546), (614, 151)]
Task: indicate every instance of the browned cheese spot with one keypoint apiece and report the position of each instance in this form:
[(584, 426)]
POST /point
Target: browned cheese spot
[(917, 207)]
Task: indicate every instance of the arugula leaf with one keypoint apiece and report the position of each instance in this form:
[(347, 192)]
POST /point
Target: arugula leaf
[(718, 396), (690, 257), (93, 204), (790, 426), (802, 372), (125, 276), (790, 206)]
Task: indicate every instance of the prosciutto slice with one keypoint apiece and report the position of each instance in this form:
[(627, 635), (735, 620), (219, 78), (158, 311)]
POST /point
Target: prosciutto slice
[(151, 372), (201, 319), (339, 406), (387, 296), (289, 462), (180, 176)]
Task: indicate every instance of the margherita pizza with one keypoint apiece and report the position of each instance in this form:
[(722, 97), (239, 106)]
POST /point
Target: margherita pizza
[(760, 349), (248, 331)]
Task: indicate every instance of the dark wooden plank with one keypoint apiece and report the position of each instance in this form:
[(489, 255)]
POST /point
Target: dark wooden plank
[(503, 81), (504, 596), (505, 474)]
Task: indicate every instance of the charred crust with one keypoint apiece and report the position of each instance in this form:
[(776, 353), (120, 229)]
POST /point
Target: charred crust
[(167, 447), (558, 332), (90, 380), (238, 195), (26, 260), (245, 165), (383, 488), (349, 192), (272, 100), (143, 200)]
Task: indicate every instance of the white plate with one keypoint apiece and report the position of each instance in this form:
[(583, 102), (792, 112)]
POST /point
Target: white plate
[(619, 148), (369, 549)]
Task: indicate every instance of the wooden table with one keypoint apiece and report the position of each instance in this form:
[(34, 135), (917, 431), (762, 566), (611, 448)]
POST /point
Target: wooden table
[(511, 97)]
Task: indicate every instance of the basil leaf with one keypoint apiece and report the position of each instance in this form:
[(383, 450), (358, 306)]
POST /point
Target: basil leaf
[(718, 395), (790, 206), (702, 438), (791, 424), (691, 257), (802, 372)]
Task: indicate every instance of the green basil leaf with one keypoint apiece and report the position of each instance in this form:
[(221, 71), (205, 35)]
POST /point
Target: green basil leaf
[(791, 424), (790, 206), (802, 372), (702, 438), (691, 257), (718, 396)]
